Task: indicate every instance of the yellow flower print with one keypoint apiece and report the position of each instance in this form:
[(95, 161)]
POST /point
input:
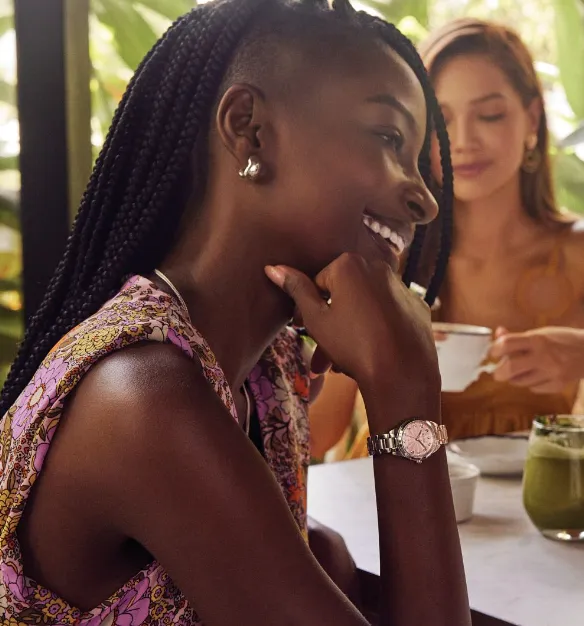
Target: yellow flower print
[(8, 529), (14, 621), (42, 594), (157, 593), (5, 437), (55, 607), (135, 330), (94, 341), (7, 501), (159, 610)]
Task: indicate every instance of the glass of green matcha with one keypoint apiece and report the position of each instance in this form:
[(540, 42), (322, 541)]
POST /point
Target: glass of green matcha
[(553, 480)]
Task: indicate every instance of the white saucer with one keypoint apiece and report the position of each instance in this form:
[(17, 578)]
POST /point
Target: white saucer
[(494, 455)]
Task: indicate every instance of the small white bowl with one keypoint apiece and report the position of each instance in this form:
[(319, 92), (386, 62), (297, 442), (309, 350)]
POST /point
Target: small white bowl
[(494, 455), (463, 482)]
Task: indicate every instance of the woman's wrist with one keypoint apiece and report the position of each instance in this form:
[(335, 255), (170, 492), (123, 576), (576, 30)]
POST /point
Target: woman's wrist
[(390, 404)]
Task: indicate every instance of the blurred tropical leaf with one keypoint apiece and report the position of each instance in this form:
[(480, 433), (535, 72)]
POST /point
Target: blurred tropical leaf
[(10, 324), (7, 92), (569, 179), (121, 35), (9, 215), (569, 25), (6, 23), (132, 34), (11, 284), (8, 163), (103, 107), (11, 332), (573, 139), (396, 10), (412, 29), (171, 9), (10, 253), (8, 350)]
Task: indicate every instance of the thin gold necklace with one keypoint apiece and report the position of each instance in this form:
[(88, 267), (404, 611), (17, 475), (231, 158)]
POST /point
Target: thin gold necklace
[(176, 292), (248, 409), (171, 286)]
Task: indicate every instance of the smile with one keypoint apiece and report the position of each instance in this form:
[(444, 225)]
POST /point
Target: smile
[(391, 236), (471, 170)]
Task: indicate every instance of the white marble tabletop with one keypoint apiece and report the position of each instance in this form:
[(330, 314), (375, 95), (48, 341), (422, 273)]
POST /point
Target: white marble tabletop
[(513, 573)]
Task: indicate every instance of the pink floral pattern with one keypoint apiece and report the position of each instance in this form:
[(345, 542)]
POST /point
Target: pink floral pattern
[(140, 312), (38, 395)]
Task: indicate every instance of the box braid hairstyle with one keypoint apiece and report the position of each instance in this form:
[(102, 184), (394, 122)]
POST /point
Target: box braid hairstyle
[(132, 208)]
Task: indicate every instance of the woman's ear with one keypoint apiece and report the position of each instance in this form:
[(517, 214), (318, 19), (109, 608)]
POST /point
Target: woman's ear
[(239, 121)]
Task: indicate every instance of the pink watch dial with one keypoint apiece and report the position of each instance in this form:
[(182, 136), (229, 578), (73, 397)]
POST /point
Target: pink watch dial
[(418, 439)]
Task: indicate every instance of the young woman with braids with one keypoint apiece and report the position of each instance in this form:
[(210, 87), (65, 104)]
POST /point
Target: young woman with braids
[(257, 150), (518, 262)]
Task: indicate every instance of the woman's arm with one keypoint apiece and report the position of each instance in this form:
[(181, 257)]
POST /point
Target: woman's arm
[(173, 471), (390, 353), (422, 575)]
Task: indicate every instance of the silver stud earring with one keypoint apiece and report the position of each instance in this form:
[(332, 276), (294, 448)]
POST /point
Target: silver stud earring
[(252, 170)]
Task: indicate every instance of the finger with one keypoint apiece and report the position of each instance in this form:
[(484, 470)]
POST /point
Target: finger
[(510, 344), (299, 287), (501, 332), (511, 368), (530, 380), (349, 267), (325, 282)]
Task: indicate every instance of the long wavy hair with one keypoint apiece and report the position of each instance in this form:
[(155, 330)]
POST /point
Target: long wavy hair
[(504, 47)]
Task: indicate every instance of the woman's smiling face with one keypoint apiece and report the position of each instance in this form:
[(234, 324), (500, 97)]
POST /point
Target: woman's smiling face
[(487, 123)]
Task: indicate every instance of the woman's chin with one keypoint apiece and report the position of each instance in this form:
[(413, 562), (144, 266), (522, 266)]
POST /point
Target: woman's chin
[(478, 191), (471, 196)]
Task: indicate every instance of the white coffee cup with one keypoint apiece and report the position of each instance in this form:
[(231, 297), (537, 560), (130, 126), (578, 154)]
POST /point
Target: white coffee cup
[(461, 353), (463, 483)]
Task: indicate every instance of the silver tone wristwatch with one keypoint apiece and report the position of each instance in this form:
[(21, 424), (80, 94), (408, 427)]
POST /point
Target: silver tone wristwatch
[(413, 439)]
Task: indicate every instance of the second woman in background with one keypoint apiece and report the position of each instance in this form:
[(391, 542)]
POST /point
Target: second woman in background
[(517, 261)]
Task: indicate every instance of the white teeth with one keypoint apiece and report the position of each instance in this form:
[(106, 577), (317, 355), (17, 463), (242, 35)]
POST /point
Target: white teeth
[(385, 232), (398, 241), (395, 238)]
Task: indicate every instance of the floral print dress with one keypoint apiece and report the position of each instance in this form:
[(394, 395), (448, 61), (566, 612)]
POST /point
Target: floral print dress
[(140, 312)]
